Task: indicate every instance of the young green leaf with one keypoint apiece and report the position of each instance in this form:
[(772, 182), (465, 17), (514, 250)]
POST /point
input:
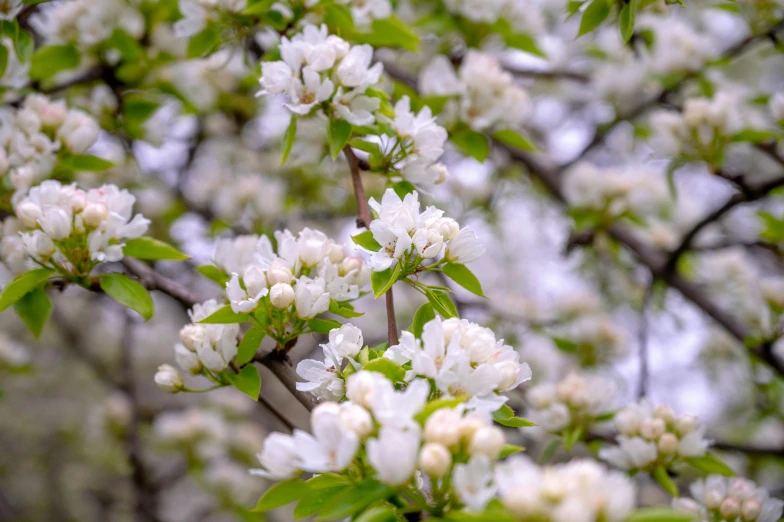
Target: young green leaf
[(146, 247), (203, 42), (24, 45), (315, 501), (225, 315), (366, 241), (249, 345), (441, 303), (322, 326), (387, 367), (23, 284), (213, 273), (463, 276), (281, 494), (354, 499), (339, 18), (338, 133), (85, 162), (343, 309), (248, 381), (664, 480), (523, 42), (470, 142), (433, 406), (626, 19), (3, 59), (424, 314), (51, 59), (327, 480), (596, 12), (288, 139), (384, 513), (34, 309), (383, 281), (128, 292), (514, 139), (390, 32), (660, 514), (711, 464), (510, 449), (506, 417)]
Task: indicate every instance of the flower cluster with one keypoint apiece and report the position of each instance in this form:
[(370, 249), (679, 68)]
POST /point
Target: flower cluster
[(72, 230), (86, 23), (321, 70), (12, 252), (307, 271), (578, 490), (365, 11), (724, 499), (210, 346), (197, 13), (325, 380), (487, 95), (576, 402), (408, 236), (651, 438), (31, 136)]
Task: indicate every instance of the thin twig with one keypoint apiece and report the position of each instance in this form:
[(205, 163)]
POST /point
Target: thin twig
[(276, 412), (642, 389)]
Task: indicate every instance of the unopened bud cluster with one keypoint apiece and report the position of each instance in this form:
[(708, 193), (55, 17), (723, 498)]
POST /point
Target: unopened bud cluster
[(651, 437), (730, 499)]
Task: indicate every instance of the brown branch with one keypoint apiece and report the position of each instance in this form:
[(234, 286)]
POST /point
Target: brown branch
[(749, 450), (153, 280), (363, 221)]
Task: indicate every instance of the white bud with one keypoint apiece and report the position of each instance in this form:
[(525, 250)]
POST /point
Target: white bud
[(355, 418), (713, 499), (447, 227), (361, 386), (94, 214), (469, 425), (627, 422), (56, 223), (281, 295), (730, 508), (350, 264), (435, 459), (78, 200), (443, 427), (255, 280), (191, 335), (665, 413), (278, 273), (335, 252), (324, 409), (685, 424), (168, 379), (510, 371), (668, 444), (28, 213), (751, 509), (187, 360), (53, 114), (487, 441), (652, 429)]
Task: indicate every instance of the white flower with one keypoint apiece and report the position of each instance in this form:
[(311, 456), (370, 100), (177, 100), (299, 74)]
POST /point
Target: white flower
[(241, 300), (281, 295), (354, 107), (276, 77), (435, 459), (218, 346), (393, 454), (168, 379), (312, 246), (322, 378), (630, 453), (346, 341), (356, 418), (355, 70), (693, 445), (465, 247), (473, 482), (361, 387), (427, 136), (78, 132), (438, 78), (278, 457), (187, 359), (487, 441), (309, 92), (311, 297), (396, 409), (330, 448), (56, 223)]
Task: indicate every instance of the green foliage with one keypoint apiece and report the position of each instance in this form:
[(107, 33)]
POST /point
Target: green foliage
[(281, 494), (322, 326), (441, 303), (343, 309), (665, 481), (248, 381), (433, 406), (366, 240), (390, 32), (288, 139), (506, 417), (463, 276), (514, 139), (128, 292), (339, 131), (387, 367), (225, 315), (146, 247), (626, 19), (710, 464), (596, 12), (51, 59), (383, 281), (22, 285), (660, 514), (470, 142), (423, 314), (85, 162), (249, 345), (203, 42), (213, 273), (34, 308)]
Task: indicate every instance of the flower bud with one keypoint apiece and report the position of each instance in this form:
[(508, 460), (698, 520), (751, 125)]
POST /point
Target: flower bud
[(335, 252), (350, 264), (168, 379), (52, 114), (509, 371), (94, 214), (468, 427), (255, 280), (78, 200), (665, 413), (443, 427), (187, 359), (56, 223), (713, 499), (361, 386), (191, 335), (324, 409), (668, 444), (750, 509), (355, 418), (281, 295), (447, 227), (278, 273), (627, 422), (685, 424), (28, 213), (487, 441), (652, 429), (435, 459), (730, 508)]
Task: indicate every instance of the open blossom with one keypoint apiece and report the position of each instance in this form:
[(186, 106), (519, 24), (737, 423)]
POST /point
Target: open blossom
[(196, 14), (322, 378), (727, 499), (393, 454), (649, 437), (473, 482), (215, 345)]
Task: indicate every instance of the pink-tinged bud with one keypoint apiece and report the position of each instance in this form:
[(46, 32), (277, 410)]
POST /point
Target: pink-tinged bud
[(435, 459), (78, 200), (278, 273), (94, 214), (750, 509), (28, 213), (668, 444), (350, 264), (730, 508), (713, 499), (652, 429), (665, 413), (281, 295)]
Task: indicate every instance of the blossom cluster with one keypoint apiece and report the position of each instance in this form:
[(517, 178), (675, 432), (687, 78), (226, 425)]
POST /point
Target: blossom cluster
[(365, 11), (729, 499), (72, 230), (576, 402), (86, 23), (197, 13), (210, 346), (31, 136), (650, 438), (307, 271), (407, 235), (318, 69), (486, 94)]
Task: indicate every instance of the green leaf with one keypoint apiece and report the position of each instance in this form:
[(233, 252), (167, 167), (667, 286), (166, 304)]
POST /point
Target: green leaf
[(626, 19), (387, 367), (248, 381), (323, 326), (572, 437), (523, 42), (259, 7), (442, 303), (383, 281), (549, 451), (754, 136), (327, 480), (390, 32), (249, 345), (514, 139), (470, 142), (22, 285), (34, 309), (338, 133), (378, 514), (506, 417), (510, 449), (24, 45), (315, 501), (711, 464), (366, 241), (664, 480), (403, 188), (423, 315), (146, 247), (213, 273), (660, 514), (225, 315), (128, 292), (128, 46), (565, 345), (338, 17), (48, 61), (86, 162), (593, 16), (343, 310), (461, 275), (3, 59), (354, 499), (288, 139), (203, 42), (281, 494), (433, 406)]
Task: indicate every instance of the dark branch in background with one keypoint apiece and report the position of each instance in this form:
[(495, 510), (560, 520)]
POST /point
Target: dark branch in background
[(642, 390), (548, 75), (363, 221)]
